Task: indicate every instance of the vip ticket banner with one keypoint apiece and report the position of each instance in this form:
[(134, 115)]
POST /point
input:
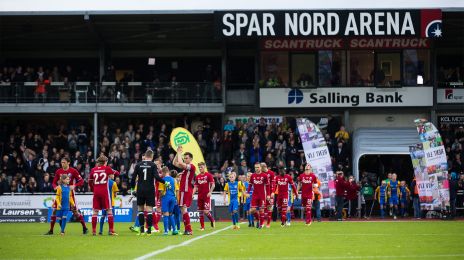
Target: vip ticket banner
[(317, 155), (430, 167)]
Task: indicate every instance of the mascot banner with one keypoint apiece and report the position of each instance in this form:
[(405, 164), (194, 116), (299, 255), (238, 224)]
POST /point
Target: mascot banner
[(430, 167), (318, 156)]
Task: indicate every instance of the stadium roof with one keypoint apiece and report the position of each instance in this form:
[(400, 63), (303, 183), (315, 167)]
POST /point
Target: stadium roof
[(378, 141), (47, 7)]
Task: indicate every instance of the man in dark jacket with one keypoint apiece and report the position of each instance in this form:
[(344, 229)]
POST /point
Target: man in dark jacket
[(453, 190), (340, 186), (415, 199)]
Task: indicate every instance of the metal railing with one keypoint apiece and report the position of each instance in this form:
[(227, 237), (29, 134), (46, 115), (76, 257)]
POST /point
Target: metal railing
[(110, 92)]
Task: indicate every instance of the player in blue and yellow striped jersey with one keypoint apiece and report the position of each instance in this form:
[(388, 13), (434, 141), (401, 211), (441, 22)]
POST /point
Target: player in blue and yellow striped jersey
[(168, 200), (247, 202), (404, 198), (394, 194), (113, 190), (231, 191), (381, 194), (64, 201)]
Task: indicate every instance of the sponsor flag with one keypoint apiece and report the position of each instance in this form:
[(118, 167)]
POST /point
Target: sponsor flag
[(430, 167), (317, 155), (182, 136)]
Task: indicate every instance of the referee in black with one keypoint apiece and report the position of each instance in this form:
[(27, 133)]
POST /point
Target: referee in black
[(146, 172)]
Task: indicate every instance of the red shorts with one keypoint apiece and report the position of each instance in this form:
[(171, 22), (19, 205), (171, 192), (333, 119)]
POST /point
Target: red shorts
[(257, 202), (72, 208), (306, 202), (204, 203), (185, 199), (282, 202), (101, 200)]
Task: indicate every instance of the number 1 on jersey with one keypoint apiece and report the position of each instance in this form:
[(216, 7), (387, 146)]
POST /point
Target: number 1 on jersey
[(145, 174)]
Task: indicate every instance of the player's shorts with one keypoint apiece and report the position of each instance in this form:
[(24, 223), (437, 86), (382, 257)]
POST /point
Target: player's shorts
[(233, 206), (145, 197), (382, 201), (167, 204), (282, 202), (306, 202), (247, 206), (62, 213), (404, 201), (257, 202), (185, 199), (204, 203), (393, 200), (101, 201)]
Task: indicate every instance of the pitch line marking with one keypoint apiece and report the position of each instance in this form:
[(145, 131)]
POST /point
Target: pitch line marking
[(169, 248), (355, 257)]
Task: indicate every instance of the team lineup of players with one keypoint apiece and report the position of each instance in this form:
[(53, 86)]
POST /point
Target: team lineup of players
[(168, 194), (392, 193)]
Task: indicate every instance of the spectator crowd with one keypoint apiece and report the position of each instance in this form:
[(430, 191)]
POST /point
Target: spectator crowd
[(30, 156)]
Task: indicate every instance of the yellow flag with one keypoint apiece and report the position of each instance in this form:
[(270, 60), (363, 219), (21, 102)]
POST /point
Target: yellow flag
[(182, 136)]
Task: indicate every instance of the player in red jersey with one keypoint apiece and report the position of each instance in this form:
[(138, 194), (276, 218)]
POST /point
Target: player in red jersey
[(306, 182), (204, 184), (75, 181), (281, 189), (98, 182), (270, 188), (187, 178), (259, 183)]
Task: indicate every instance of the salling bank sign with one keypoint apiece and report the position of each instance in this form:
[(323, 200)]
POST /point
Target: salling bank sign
[(346, 97), (418, 23)]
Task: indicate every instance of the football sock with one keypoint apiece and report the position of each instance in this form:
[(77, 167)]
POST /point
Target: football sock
[(141, 221), (111, 222), (94, 223), (52, 222), (149, 221), (202, 219)]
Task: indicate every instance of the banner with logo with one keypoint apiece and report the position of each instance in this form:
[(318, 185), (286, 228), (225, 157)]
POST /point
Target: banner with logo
[(450, 95), (431, 167), (255, 118), (451, 120), (23, 215), (42, 203), (345, 97), (182, 136), (303, 23), (317, 155)]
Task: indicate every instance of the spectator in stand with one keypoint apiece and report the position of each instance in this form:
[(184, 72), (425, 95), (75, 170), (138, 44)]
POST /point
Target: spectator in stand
[(214, 150), (229, 126), (227, 146), (352, 189), (32, 185), (241, 153), (340, 154), (4, 186), (340, 187), (291, 152), (22, 186), (14, 186), (256, 153), (342, 135), (243, 169), (46, 184)]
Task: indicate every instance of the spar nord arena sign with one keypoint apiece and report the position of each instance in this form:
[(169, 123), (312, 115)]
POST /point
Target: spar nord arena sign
[(419, 23)]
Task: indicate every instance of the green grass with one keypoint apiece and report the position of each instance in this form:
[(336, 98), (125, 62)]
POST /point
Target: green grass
[(325, 240)]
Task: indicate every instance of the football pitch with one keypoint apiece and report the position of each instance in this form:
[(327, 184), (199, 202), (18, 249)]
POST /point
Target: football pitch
[(324, 240)]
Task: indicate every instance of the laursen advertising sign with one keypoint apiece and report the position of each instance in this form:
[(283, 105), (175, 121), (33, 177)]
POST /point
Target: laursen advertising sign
[(418, 23), (346, 97)]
